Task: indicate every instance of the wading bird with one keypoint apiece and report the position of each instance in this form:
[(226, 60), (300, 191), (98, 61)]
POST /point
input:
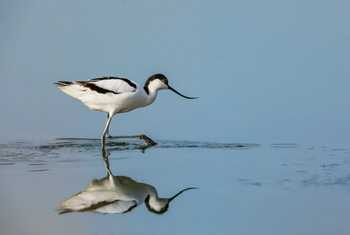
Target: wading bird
[(115, 95)]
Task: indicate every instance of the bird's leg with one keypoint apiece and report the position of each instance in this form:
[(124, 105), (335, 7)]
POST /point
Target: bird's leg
[(103, 138), (107, 133), (105, 157), (148, 141)]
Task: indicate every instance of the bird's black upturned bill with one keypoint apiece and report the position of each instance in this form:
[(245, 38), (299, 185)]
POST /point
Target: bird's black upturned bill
[(173, 197), (175, 91)]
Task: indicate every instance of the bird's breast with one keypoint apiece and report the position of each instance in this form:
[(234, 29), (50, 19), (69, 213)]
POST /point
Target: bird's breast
[(131, 101)]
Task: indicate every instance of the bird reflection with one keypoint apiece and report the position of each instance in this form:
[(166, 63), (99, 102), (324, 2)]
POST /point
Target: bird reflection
[(116, 194)]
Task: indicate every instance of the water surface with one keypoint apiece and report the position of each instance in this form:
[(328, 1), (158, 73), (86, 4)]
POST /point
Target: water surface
[(244, 188)]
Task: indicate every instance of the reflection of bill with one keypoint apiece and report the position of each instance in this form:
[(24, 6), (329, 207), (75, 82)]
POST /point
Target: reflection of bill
[(116, 194)]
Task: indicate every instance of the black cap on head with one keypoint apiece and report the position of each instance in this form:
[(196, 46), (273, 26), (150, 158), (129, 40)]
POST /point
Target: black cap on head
[(161, 211), (166, 201), (164, 80), (161, 77), (158, 76)]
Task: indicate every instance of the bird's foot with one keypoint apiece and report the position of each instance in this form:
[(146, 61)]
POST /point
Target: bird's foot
[(148, 141)]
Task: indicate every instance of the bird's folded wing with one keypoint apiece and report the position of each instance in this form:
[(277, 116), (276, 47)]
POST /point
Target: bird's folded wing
[(110, 84), (117, 207), (87, 201)]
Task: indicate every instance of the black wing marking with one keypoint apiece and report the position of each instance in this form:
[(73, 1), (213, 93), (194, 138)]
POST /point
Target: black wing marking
[(90, 208), (131, 207), (96, 88), (130, 83)]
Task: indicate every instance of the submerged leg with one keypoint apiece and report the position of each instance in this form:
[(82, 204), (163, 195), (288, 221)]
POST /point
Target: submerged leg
[(148, 141), (105, 158)]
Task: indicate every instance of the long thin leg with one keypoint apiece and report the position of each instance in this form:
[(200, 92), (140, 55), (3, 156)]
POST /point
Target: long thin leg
[(148, 141), (106, 128), (107, 133), (105, 158)]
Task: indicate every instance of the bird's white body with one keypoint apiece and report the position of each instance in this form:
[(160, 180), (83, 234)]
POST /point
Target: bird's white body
[(116, 194), (116, 95), (112, 194), (122, 98)]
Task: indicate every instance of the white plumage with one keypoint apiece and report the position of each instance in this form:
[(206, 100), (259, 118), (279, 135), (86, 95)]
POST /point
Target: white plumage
[(112, 194), (116, 194), (116, 95), (111, 95)]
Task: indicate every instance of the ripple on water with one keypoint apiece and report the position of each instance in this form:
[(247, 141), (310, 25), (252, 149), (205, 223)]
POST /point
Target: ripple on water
[(40, 154), (313, 167)]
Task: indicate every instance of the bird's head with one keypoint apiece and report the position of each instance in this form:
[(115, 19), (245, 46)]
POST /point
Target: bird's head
[(159, 82), (161, 205)]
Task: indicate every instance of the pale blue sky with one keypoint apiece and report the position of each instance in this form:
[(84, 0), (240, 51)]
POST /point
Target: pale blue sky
[(266, 71)]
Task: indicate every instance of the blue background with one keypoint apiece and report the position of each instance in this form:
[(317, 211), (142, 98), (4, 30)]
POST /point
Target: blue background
[(266, 71)]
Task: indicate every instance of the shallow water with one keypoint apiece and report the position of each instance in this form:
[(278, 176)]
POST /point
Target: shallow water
[(244, 188)]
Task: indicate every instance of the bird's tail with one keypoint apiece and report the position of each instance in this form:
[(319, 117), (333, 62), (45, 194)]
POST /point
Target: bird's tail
[(63, 211), (63, 83), (72, 89)]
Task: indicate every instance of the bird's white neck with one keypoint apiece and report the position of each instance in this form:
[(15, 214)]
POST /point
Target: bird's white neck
[(151, 89), (155, 203), (151, 96)]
